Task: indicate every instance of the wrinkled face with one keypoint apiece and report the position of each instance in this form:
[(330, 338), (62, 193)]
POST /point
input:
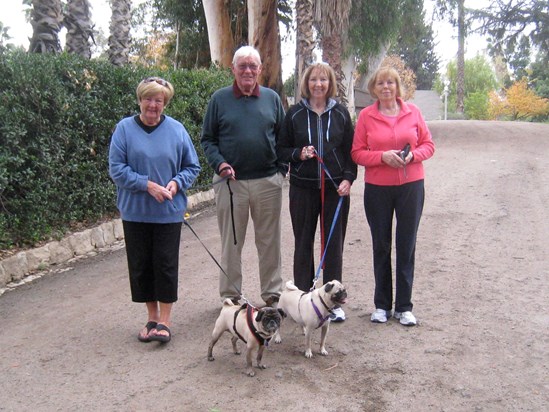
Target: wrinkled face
[(337, 292), (246, 72), (318, 84), (269, 319), (386, 88), (151, 108)]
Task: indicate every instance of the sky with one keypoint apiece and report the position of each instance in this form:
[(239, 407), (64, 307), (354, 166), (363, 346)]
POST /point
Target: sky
[(445, 36)]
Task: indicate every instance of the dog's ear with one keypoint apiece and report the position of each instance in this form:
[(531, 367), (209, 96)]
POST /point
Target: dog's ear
[(282, 313), (328, 287), (259, 315)]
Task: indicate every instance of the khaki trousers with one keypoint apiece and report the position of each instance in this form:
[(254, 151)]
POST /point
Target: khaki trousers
[(262, 200)]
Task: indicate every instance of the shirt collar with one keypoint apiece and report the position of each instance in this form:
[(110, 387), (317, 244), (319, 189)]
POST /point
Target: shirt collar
[(238, 93)]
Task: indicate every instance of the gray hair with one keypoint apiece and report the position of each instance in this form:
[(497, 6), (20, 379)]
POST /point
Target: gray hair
[(246, 51)]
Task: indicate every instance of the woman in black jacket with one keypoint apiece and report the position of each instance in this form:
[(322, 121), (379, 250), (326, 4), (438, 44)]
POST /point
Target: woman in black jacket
[(318, 131)]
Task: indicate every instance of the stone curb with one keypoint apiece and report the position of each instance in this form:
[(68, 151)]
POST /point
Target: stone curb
[(18, 268)]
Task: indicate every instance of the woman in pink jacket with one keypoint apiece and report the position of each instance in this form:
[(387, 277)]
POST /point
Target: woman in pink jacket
[(391, 141)]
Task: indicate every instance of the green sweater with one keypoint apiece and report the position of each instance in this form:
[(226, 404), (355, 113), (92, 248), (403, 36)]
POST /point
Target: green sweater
[(242, 131)]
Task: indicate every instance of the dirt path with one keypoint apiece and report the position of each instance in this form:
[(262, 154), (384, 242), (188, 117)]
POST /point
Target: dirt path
[(481, 294)]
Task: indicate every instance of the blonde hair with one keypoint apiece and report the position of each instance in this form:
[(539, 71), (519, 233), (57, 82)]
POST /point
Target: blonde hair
[(385, 72), (323, 68), (154, 85)]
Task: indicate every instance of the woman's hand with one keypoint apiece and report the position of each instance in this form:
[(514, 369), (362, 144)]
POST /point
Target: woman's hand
[(344, 188), (161, 193), (307, 153), (392, 158)]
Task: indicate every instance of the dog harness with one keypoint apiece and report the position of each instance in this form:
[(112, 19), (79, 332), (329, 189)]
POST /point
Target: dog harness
[(249, 321), (321, 319)]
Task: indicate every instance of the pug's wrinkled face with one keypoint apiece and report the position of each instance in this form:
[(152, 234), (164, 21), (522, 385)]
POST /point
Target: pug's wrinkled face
[(337, 292), (269, 319)]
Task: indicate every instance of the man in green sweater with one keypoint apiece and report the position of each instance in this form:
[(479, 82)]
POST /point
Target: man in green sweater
[(238, 137)]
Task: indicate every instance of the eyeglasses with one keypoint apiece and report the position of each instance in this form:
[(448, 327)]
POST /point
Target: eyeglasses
[(158, 80), (243, 66)]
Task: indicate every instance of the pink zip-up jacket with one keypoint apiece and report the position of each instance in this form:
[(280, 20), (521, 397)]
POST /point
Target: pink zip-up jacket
[(375, 134)]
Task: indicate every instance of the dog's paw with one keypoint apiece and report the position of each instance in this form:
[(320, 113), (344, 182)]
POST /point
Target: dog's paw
[(323, 351), (261, 366), (308, 353), (211, 358), (237, 352), (250, 373), (277, 339)]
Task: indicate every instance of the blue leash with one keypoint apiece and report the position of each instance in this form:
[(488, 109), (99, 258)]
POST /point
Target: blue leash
[(334, 220)]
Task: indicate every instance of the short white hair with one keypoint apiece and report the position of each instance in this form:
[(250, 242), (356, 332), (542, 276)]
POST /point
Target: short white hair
[(246, 51)]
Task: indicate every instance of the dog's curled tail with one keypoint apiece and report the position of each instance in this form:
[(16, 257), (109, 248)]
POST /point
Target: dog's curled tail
[(290, 285)]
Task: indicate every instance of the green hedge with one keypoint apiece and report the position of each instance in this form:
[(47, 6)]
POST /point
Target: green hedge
[(58, 113)]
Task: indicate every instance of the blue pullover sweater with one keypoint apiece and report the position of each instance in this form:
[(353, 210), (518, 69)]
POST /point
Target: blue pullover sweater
[(135, 157)]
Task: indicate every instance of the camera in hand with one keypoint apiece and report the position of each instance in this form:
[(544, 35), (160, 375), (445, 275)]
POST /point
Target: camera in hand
[(405, 150)]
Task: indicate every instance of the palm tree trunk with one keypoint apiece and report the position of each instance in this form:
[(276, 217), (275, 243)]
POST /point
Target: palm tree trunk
[(46, 20), (332, 20), (119, 40), (304, 39), (77, 20)]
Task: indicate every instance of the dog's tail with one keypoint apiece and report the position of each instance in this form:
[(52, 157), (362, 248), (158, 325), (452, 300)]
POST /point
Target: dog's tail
[(290, 285)]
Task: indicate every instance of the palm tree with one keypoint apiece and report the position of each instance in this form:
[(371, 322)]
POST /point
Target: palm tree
[(79, 27), (332, 21), (304, 38), (46, 21), (119, 40)]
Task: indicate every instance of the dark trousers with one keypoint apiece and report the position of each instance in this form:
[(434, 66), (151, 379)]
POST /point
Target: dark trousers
[(381, 203), (305, 210), (152, 250)]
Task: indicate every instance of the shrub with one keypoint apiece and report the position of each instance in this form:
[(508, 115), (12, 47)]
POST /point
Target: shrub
[(58, 113)]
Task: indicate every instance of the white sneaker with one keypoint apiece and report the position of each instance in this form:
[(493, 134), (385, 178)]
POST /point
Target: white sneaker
[(406, 318), (380, 316), (337, 315)]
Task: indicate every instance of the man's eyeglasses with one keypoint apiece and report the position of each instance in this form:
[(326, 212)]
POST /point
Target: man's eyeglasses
[(243, 66), (158, 80)]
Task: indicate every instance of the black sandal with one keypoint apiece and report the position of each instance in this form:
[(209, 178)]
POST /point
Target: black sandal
[(150, 326), (162, 338)]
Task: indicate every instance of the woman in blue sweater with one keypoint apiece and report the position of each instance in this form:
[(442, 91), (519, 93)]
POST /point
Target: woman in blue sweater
[(153, 162)]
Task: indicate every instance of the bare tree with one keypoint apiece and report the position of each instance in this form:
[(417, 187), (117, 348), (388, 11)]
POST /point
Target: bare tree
[(220, 35), (263, 34), (77, 20), (119, 40), (46, 21), (447, 9)]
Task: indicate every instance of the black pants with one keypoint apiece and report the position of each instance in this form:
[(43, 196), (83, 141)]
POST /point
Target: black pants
[(152, 250), (381, 203), (305, 210)]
